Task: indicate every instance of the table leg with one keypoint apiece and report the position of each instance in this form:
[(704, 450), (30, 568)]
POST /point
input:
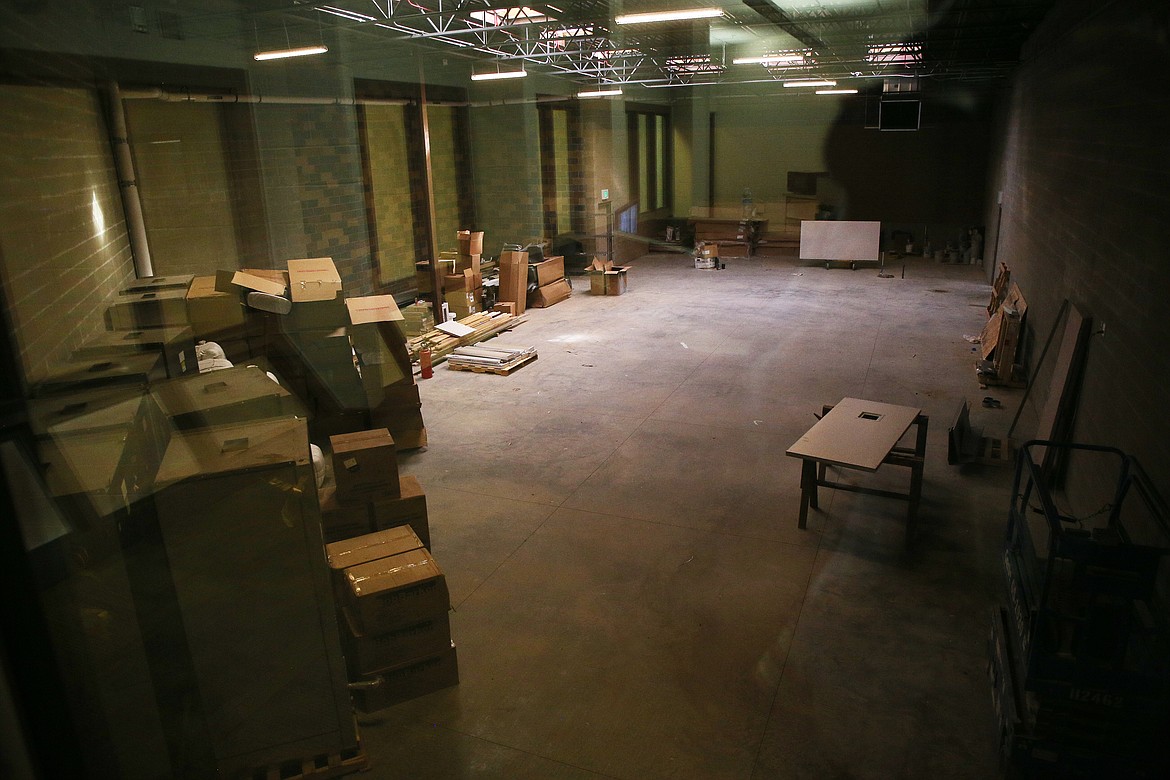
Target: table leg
[(808, 490), (916, 478)]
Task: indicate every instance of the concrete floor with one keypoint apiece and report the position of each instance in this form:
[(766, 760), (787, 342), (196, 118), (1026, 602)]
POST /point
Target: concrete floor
[(617, 522)]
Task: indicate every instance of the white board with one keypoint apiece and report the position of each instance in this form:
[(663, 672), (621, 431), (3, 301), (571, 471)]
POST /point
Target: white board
[(840, 240), (855, 433)]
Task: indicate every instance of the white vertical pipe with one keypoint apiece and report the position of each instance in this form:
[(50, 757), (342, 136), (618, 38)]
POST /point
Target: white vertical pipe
[(128, 184)]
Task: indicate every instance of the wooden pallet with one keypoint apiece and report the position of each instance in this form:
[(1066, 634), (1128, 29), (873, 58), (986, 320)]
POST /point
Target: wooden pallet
[(500, 370), (442, 345)]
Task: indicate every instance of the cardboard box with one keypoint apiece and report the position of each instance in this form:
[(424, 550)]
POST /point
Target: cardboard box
[(465, 262), (149, 310), (367, 654), (211, 311), (313, 315), (470, 243), (372, 308), (549, 270), (155, 283), (467, 279), (396, 591), (365, 465), (707, 250), (463, 302), (514, 279), (616, 280), (371, 546), (610, 282), (136, 370), (260, 280), (549, 294), (409, 681), (313, 279), (341, 521), (231, 395), (176, 345), (409, 509)]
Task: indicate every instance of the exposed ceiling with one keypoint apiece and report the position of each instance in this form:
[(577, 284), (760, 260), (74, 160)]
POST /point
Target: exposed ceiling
[(970, 40)]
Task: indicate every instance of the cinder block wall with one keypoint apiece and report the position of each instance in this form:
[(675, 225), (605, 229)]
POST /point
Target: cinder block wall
[(504, 149), (64, 249), (1083, 168)]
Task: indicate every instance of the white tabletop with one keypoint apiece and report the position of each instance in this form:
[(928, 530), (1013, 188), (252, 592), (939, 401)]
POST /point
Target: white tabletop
[(856, 433)]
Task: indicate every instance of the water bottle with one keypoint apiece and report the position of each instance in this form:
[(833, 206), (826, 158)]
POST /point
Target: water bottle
[(746, 200)]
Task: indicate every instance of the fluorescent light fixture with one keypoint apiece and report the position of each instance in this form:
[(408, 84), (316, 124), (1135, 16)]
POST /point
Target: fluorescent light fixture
[(810, 83), (492, 75), (596, 93), (669, 16), (278, 54), (836, 92), (774, 59)]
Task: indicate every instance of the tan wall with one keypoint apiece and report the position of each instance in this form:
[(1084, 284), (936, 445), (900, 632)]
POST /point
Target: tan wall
[(505, 149), (445, 173), (63, 243)]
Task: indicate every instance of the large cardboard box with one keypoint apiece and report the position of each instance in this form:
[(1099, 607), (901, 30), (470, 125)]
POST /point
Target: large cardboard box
[(231, 395), (409, 681), (313, 279), (260, 280), (176, 345), (470, 243), (341, 521), (367, 654), (136, 370), (549, 270), (396, 591), (409, 509), (550, 294), (212, 312), (514, 279), (154, 309), (155, 283), (365, 465)]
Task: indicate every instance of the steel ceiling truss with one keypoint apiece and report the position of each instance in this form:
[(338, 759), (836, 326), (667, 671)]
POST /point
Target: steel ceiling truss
[(966, 39)]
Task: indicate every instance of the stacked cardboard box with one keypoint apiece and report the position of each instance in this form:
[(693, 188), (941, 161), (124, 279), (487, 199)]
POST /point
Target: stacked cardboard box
[(175, 344), (417, 318), (605, 278), (369, 494), (551, 285), (706, 255), (393, 603), (514, 279)]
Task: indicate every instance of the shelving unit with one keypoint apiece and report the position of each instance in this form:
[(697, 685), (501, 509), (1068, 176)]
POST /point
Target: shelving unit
[(1080, 653)]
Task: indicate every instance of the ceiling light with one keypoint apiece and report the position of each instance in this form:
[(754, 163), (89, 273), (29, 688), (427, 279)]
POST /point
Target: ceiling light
[(596, 93), (277, 54), (810, 83), (669, 16), (836, 92), (492, 75), (774, 59)]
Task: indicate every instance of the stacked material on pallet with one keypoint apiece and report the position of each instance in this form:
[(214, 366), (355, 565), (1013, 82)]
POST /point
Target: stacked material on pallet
[(483, 325), (494, 357)]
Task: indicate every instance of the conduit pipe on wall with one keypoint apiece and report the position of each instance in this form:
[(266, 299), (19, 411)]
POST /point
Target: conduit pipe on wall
[(186, 96), (128, 185)]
